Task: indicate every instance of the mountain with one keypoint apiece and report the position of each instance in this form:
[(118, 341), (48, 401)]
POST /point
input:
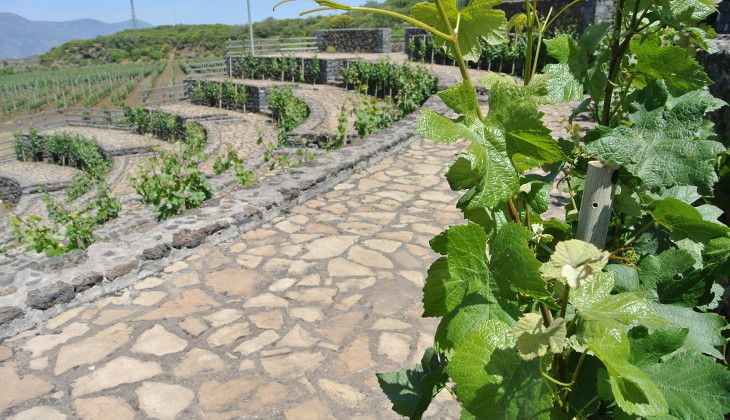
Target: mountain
[(20, 37)]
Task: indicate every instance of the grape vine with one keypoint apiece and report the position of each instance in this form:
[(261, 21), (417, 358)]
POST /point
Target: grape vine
[(535, 322)]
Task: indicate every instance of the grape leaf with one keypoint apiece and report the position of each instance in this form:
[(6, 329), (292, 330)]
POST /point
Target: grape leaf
[(461, 98), (704, 328), (687, 11), (577, 262), (493, 382), (534, 338), (662, 149), (412, 390), (498, 180), (716, 256), (696, 387), (513, 262), (633, 390), (655, 269), (478, 21), (513, 109), (649, 348), (463, 270), (682, 221), (594, 301), (564, 83), (670, 63)]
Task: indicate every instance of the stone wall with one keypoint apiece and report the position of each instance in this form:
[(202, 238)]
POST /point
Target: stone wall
[(329, 69), (717, 67), (10, 190), (354, 40), (589, 12), (255, 95), (722, 25)]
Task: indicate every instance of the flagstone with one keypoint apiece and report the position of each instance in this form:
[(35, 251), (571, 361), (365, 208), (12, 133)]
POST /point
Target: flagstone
[(103, 408), (158, 341), (123, 370)]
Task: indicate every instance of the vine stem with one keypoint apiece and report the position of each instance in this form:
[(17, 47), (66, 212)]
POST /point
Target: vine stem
[(564, 302), (454, 38)]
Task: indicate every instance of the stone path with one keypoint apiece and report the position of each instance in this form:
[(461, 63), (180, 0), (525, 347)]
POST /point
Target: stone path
[(291, 320)]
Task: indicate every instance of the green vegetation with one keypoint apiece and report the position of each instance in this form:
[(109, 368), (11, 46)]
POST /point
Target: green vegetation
[(231, 161), (66, 150), (372, 115), (34, 90), (67, 229), (219, 95), (163, 125), (172, 181), (154, 44), (289, 111), (408, 87), (281, 68), (534, 321)]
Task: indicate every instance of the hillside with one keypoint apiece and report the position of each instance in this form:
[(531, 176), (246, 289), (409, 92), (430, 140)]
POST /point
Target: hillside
[(20, 37), (208, 40)]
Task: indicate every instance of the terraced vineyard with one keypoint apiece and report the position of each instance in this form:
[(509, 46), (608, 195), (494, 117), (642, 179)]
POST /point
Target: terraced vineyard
[(56, 89)]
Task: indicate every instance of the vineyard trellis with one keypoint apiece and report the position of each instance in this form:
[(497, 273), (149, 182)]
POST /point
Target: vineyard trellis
[(63, 88)]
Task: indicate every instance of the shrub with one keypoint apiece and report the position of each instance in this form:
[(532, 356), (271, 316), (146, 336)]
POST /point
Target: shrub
[(289, 111), (220, 95), (66, 229), (407, 86), (163, 125), (172, 181)]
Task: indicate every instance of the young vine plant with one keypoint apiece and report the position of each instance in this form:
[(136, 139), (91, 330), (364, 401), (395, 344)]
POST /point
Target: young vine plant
[(539, 321)]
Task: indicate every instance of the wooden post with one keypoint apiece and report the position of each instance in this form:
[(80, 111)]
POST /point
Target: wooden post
[(596, 205)]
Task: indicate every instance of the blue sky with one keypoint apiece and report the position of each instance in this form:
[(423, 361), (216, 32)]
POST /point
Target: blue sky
[(157, 12)]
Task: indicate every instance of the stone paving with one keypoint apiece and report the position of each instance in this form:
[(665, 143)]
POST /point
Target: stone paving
[(290, 320)]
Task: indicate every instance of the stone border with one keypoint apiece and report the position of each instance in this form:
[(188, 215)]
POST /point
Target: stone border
[(111, 266)]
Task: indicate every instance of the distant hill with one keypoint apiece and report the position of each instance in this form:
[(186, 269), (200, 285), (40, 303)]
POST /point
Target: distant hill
[(209, 40), (20, 37)]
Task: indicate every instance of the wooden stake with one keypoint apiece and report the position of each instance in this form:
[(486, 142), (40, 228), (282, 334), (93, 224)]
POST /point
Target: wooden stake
[(597, 203)]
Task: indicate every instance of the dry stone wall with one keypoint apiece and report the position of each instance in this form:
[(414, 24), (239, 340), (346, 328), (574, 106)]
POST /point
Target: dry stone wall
[(354, 40)]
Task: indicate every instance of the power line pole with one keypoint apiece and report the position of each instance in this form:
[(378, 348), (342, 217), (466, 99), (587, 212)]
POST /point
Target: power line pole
[(250, 27), (134, 15)]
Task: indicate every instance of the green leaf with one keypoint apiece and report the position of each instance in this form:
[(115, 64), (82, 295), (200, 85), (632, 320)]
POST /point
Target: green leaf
[(689, 11), (633, 390), (514, 111), (682, 221), (595, 302), (461, 98), (704, 328), (472, 315), (463, 270), (493, 382), (498, 181), (412, 390), (669, 63), (479, 21), (664, 149), (696, 387), (513, 262), (578, 262), (562, 85), (440, 129), (534, 338), (538, 197), (655, 269), (649, 348), (716, 256), (462, 175)]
